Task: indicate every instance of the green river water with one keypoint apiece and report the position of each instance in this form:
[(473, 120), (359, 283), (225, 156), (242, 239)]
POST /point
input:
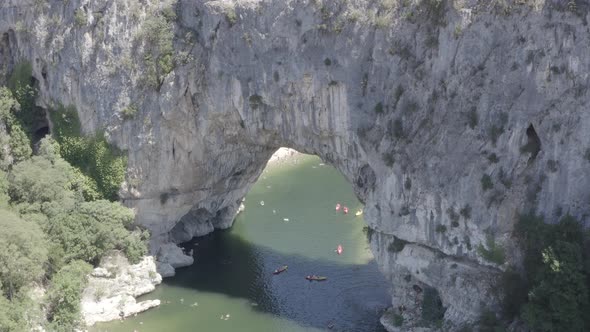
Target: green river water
[(231, 286)]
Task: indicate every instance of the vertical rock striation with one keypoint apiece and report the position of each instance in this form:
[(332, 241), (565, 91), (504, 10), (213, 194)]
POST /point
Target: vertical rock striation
[(447, 117)]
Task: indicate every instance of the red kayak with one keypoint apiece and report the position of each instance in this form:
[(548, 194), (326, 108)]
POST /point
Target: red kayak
[(339, 250)]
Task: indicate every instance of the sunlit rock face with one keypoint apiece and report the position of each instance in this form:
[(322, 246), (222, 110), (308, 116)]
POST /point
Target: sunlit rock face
[(447, 117)]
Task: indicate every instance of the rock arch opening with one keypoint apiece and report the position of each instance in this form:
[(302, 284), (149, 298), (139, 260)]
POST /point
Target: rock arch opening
[(290, 219)]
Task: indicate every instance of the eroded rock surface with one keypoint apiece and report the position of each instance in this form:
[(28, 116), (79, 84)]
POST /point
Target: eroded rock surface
[(447, 117), (114, 285)]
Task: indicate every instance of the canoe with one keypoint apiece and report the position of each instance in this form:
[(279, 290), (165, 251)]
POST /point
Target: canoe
[(281, 269), (316, 278)]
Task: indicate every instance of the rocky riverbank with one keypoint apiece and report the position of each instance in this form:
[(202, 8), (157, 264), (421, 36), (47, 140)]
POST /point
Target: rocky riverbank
[(114, 285)]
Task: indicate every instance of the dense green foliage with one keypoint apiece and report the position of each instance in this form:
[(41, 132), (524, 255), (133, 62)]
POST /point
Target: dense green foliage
[(16, 314), (94, 156), (557, 274), (64, 296), (432, 308), (15, 138), (23, 254), (20, 83), (54, 222)]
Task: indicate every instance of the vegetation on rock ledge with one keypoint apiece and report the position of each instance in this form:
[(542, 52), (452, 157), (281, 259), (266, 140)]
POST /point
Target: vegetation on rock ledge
[(54, 223)]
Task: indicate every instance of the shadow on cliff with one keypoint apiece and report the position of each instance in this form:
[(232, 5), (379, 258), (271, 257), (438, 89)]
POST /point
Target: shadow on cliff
[(352, 298)]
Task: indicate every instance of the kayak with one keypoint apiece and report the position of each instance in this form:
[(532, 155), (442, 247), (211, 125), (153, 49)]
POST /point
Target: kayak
[(339, 250), (281, 269), (316, 278)]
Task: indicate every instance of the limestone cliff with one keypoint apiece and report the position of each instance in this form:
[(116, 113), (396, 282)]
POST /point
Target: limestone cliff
[(448, 117)]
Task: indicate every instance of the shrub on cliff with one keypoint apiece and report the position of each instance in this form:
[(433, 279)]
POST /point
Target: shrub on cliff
[(64, 294), (157, 36), (94, 156), (557, 274), (17, 140)]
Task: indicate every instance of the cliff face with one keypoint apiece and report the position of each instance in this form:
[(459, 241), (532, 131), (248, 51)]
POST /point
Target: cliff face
[(447, 117)]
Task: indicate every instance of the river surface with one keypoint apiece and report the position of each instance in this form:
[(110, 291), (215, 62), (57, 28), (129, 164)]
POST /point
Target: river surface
[(231, 286)]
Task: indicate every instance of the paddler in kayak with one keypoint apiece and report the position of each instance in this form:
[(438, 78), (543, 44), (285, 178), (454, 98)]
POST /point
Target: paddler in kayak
[(345, 209), (281, 269), (316, 278), (337, 206), (339, 250)]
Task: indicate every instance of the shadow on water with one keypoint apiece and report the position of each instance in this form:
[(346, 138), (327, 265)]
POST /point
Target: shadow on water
[(352, 299)]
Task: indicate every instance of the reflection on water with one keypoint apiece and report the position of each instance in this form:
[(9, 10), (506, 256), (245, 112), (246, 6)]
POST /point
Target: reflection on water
[(231, 286)]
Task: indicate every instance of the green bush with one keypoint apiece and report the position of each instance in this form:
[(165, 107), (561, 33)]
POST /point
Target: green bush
[(432, 307), (94, 229), (398, 129), (488, 322), (493, 158), (80, 17), (231, 16), (465, 211), (388, 159), (57, 202), (20, 145), (23, 253), (408, 183), (398, 320), (157, 35), (494, 253), (129, 112), (379, 107), (4, 198), (441, 228), (64, 296), (27, 115), (17, 315), (453, 216), (38, 180), (514, 293), (472, 118), (8, 104), (557, 268), (486, 182), (94, 156), (255, 101)]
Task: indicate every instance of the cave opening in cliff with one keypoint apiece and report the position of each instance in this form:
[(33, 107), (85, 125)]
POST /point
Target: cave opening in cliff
[(533, 144)]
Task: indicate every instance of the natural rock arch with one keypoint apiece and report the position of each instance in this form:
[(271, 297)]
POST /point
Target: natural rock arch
[(428, 98)]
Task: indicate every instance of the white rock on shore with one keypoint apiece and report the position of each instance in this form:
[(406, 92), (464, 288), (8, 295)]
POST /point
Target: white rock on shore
[(113, 286)]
